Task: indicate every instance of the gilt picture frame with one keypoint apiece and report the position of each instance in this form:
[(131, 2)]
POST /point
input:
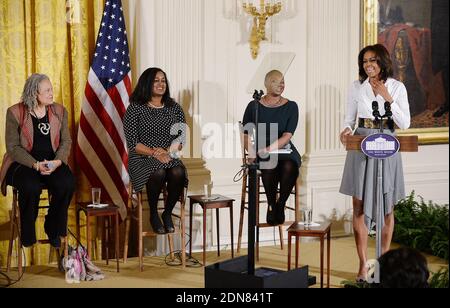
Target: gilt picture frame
[(411, 31)]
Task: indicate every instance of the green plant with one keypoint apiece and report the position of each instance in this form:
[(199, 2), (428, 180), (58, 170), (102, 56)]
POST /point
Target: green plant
[(440, 279), (422, 226)]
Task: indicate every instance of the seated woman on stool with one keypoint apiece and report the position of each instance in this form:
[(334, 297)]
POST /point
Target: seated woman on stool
[(154, 129), (276, 110), (38, 146)]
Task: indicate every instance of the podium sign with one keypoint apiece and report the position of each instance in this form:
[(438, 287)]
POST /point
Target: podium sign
[(380, 146)]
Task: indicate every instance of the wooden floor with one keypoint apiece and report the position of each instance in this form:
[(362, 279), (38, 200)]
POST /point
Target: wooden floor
[(157, 274)]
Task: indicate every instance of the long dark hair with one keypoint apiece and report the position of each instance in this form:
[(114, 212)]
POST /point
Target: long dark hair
[(383, 60), (143, 92)]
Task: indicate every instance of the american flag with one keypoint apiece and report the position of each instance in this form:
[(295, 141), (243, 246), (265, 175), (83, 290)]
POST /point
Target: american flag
[(101, 150)]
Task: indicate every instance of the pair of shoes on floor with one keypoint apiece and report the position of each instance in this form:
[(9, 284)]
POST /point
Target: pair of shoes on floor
[(275, 215)]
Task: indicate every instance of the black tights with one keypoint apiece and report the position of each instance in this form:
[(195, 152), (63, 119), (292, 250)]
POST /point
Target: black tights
[(175, 179), (286, 174)]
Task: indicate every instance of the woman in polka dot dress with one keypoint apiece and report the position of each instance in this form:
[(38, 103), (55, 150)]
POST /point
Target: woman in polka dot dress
[(154, 127)]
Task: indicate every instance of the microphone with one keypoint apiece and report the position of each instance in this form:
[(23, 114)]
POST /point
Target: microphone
[(387, 108), (376, 112), (258, 95)]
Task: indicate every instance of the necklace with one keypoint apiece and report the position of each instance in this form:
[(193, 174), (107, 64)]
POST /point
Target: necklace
[(268, 104), (44, 127), (156, 107)]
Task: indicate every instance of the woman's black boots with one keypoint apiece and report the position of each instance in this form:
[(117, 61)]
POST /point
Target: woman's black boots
[(279, 214)]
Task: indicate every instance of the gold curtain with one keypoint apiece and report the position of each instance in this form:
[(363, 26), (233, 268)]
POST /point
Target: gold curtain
[(56, 38)]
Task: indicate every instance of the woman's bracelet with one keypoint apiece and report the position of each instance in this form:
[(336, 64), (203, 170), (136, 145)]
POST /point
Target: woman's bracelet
[(36, 166)]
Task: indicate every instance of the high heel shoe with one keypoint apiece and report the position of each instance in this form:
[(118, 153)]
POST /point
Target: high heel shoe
[(157, 225), (363, 278), (270, 217), (168, 223)]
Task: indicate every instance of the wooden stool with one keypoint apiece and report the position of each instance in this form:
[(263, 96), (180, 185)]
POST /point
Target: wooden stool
[(110, 212), (16, 229), (259, 192), (136, 214), (214, 202), (299, 230)]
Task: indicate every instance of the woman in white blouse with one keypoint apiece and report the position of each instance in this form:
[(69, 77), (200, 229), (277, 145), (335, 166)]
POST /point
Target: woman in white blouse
[(359, 179)]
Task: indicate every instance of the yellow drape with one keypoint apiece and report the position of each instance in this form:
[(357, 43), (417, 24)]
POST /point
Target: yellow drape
[(56, 38)]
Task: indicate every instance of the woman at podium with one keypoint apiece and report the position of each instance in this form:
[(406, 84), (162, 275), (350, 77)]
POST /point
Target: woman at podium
[(276, 110), (375, 89)]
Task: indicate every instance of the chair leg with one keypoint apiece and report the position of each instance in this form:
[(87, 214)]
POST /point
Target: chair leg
[(182, 231), (141, 240), (218, 231), (50, 254), (280, 229), (19, 241), (11, 237), (258, 187), (106, 227), (297, 202), (19, 259), (171, 247), (241, 217), (66, 247), (126, 239)]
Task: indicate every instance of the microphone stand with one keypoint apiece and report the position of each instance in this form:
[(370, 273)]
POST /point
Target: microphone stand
[(252, 193), (380, 212)]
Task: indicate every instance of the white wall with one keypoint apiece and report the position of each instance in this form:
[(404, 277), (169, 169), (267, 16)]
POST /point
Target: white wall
[(202, 45)]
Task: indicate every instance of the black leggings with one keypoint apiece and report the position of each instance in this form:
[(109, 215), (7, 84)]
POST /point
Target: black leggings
[(175, 179), (286, 174), (60, 184)]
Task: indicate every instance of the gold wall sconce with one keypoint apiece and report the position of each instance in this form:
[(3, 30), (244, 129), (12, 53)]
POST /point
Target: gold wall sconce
[(260, 17)]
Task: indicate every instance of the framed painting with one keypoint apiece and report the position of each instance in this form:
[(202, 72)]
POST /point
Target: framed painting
[(416, 32)]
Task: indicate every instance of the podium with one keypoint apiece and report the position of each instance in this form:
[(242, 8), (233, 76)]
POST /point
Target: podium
[(405, 144)]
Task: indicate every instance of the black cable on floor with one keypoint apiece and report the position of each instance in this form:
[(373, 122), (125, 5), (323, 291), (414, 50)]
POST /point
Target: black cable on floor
[(190, 261)]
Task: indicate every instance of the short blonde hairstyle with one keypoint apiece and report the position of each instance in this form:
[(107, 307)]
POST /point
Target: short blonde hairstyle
[(31, 90), (270, 75)]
